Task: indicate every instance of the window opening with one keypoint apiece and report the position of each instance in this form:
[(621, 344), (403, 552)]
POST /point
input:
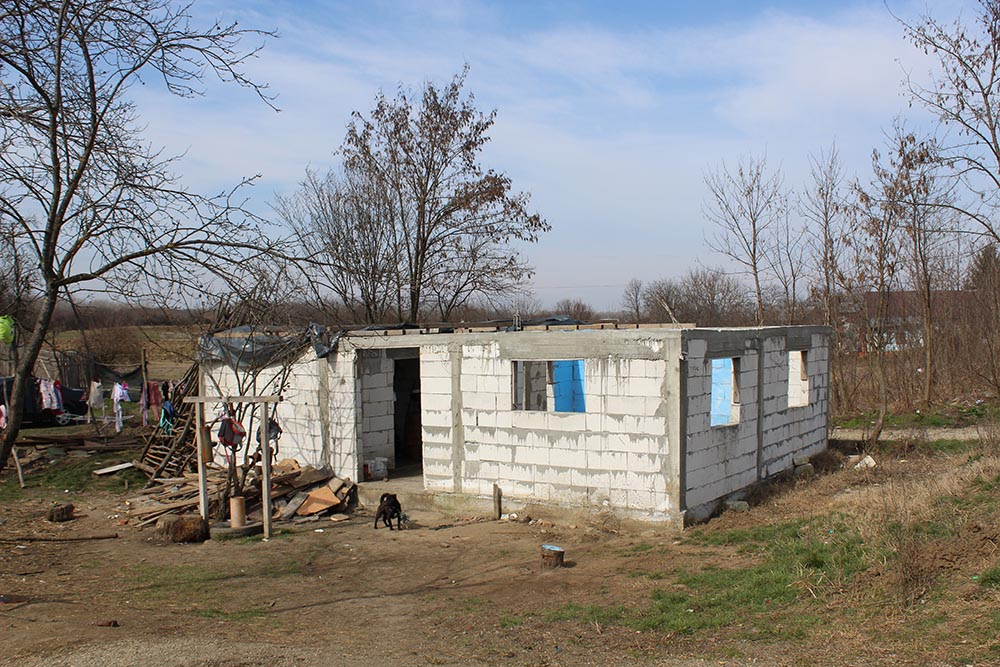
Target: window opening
[(798, 378), (725, 407), (556, 385)]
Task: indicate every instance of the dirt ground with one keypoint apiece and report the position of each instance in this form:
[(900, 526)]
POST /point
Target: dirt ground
[(448, 591)]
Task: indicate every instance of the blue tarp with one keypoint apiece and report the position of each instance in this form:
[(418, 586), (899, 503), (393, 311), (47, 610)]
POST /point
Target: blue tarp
[(567, 385), (722, 391)]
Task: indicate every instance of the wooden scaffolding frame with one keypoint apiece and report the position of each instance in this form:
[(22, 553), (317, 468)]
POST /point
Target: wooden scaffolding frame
[(204, 449)]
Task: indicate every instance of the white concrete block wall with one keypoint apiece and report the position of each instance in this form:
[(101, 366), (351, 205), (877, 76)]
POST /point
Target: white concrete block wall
[(621, 452), (790, 431), (718, 457), (377, 428), (299, 412), (724, 459), (344, 436), (437, 417), (569, 458)]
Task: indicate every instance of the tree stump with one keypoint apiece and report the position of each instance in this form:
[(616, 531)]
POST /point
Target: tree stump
[(63, 512), (552, 556), (182, 528)]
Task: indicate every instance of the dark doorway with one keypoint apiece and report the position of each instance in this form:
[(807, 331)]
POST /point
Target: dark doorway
[(406, 384)]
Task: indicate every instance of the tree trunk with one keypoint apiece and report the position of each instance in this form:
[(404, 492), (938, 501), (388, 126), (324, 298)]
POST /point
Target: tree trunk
[(25, 365)]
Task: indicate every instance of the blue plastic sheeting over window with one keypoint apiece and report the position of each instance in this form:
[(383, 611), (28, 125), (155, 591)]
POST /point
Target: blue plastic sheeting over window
[(722, 392), (567, 385)]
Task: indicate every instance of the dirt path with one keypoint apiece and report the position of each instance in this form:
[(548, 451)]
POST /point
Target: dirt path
[(927, 434), (449, 592)]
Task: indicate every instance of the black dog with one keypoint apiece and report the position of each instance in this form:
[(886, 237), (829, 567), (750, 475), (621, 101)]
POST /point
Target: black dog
[(389, 509)]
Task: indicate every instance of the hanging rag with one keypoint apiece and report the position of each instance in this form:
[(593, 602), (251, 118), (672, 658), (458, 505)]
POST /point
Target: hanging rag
[(231, 433), (3, 417), (273, 430), (119, 393), (167, 417), (95, 397), (144, 405), (6, 329), (51, 396)]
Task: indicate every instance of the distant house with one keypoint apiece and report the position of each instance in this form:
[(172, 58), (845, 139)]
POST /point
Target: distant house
[(902, 326), (658, 423)]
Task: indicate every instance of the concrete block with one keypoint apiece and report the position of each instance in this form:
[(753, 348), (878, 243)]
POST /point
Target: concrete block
[(439, 482), (438, 452), (531, 455), (542, 491), (573, 422), (598, 479), (437, 468), (642, 387), (697, 349), (520, 489), (495, 452), (623, 405), (435, 385), (594, 422), (640, 499), (568, 458), (477, 401), (644, 463)]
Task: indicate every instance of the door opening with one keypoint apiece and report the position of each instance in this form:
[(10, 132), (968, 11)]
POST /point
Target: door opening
[(409, 444)]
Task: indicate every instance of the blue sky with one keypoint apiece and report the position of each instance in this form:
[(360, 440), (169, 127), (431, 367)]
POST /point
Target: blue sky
[(609, 114)]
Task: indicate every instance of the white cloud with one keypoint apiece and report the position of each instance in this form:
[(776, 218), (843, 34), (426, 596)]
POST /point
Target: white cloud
[(610, 129)]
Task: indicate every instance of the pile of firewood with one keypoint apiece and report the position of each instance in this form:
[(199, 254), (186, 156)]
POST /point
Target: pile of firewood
[(296, 492)]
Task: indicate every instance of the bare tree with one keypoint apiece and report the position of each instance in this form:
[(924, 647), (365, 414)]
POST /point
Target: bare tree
[(963, 95), (344, 223), (91, 202), (786, 259), (577, 309), (663, 300), (743, 205), (822, 206), (913, 175), (453, 219), (983, 334), (714, 298), (875, 240), (632, 300)]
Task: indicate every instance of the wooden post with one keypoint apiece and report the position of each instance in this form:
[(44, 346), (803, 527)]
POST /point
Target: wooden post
[(199, 423), (265, 466), (17, 464), (144, 388), (497, 502)]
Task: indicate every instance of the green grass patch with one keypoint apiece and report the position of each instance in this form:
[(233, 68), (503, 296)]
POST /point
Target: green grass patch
[(991, 577), (637, 549), (948, 446), (937, 416), (511, 621), (75, 474), (765, 598), (755, 535)]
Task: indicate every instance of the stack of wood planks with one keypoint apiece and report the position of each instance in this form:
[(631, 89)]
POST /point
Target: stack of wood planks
[(87, 443), (174, 495), (296, 492)]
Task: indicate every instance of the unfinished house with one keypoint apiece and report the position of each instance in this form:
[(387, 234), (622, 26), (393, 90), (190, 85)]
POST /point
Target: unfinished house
[(657, 423)]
